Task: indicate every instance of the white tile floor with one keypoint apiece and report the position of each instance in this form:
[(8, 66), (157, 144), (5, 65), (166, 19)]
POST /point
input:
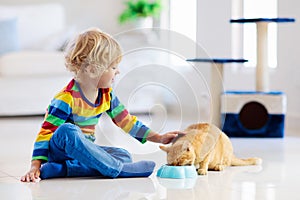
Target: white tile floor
[(277, 178)]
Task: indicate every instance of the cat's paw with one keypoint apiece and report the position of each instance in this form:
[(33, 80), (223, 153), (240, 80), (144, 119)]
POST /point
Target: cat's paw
[(219, 167), (202, 172), (258, 161)]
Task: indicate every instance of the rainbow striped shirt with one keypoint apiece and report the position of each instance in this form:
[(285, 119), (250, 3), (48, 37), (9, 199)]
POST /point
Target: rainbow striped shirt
[(70, 105)]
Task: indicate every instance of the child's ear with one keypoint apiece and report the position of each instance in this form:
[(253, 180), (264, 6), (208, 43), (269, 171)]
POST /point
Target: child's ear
[(164, 148)]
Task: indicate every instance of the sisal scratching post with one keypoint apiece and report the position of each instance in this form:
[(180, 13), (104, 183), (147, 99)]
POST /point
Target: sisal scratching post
[(262, 73)]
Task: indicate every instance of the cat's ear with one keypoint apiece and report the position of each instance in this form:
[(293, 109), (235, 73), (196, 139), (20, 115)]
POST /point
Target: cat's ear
[(187, 146), (164, 148)]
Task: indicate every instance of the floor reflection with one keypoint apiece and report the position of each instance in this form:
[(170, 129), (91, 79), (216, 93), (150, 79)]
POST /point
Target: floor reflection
[(79, 188), (215, 185)]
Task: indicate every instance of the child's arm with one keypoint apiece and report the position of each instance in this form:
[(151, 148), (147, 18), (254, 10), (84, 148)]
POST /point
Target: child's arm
[(128, 123), (57, 113)]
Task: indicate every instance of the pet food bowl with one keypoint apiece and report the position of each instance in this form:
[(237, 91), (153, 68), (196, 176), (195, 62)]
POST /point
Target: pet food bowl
[(168, 171)]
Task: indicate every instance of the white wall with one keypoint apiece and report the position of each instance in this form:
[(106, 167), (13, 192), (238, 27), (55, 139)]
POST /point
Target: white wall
[(84, 14), (287, 76), (214, 33)]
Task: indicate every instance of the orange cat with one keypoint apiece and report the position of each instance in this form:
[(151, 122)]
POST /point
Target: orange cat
[(206, 147)]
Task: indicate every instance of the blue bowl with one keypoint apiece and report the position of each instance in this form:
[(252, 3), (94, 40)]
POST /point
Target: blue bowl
[(167, 171)]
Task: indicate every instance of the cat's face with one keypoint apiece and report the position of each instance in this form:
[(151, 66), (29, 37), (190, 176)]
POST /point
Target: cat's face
[(180, 154)]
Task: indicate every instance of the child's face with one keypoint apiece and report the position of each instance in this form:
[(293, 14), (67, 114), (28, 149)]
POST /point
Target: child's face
[(107, 78)]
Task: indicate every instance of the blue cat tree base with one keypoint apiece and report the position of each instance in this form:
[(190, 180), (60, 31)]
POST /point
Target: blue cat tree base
[(253, 114)]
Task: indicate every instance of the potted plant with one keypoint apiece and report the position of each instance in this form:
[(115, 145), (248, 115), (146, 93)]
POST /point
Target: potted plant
[(140, 10)]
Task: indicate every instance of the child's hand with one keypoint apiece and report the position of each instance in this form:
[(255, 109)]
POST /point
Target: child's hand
[(32, 176), (34, 173), (165, 138), (169, 137)]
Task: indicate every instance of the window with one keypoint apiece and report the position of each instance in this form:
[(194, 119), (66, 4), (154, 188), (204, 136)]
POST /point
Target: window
[(257, 9), (182, 20), (183, 17)]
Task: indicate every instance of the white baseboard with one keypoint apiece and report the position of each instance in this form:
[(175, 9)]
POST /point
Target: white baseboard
[(292, 122)]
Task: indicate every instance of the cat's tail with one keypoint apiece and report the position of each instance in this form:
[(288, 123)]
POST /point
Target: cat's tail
[(248, 161)]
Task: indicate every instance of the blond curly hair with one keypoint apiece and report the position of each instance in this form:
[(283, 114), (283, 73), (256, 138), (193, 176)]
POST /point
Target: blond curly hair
[(92, 51)]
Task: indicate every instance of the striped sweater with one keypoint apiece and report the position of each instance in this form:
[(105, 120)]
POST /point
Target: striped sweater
[(70, 105)]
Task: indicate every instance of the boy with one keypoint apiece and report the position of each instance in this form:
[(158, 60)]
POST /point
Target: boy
[(65, 144)]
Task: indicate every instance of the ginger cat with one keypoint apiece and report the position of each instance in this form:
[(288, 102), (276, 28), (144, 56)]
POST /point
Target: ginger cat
[(205, 146)]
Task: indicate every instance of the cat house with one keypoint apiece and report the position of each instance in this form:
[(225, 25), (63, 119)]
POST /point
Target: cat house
[(253, 114)]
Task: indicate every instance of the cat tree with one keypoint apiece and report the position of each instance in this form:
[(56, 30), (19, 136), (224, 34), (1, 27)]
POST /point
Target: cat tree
[(257, 113)]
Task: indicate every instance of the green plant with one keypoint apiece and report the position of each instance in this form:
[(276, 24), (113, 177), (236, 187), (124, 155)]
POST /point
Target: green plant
[(140, 8)]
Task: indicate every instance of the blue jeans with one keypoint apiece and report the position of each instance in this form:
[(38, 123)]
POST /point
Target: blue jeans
[(83, 157)]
